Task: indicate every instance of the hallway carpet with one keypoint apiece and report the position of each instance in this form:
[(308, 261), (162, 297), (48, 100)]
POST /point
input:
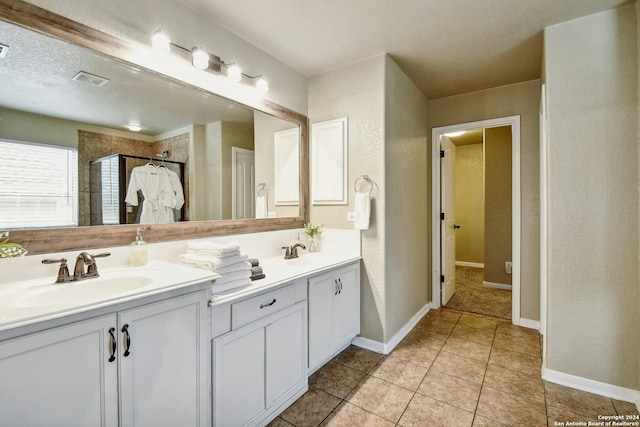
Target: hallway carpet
[(472, 297)]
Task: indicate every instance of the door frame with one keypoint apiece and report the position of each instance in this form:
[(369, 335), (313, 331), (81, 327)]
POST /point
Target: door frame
[(436, 132), (234, 154)]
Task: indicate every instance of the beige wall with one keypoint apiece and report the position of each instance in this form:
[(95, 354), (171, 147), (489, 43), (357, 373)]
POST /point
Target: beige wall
[(407, 200), (497, 206), (591, 72), (469, 204), (357, 92), (521, 99)]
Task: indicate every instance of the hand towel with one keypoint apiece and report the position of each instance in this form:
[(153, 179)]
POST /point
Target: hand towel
[(256, 270), (257, 277), (232, 277), (238, 266), (217, 288), (213, 253), (211, 262), (254, 262), (261, 207), (362, 210), (216, 248)]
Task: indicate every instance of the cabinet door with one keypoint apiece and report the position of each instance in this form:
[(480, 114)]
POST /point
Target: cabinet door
[(60, 377), (347, 304), (321, 293), (286, 352), (163, 373), (239, 376)]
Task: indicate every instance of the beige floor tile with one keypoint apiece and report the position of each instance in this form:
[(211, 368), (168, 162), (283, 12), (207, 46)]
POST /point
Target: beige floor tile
[(348, 415), (510, 409), (381, 398), (478, 322), (580, 402), (524, 363), (518, 331), (442, 314), (336, 379), (399, 372), (415, 352), (311, 408), (358, 358), (507, 380), (427, 337), (279, 422), (563, 415), (625, 408), (439, 326), (527, 344), (424, 411), (462, 367), (455, 391), (466, 348), (479, 421), (481, 336)]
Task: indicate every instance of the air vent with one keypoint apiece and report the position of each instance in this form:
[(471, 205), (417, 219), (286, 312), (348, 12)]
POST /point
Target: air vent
[(85, 77), (3, 50)]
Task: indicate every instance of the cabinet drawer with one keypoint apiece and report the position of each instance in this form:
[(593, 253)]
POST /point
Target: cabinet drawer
[(247, 311)]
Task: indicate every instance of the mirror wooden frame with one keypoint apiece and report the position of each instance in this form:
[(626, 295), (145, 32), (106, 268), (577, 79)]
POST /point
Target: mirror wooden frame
[(62, 239)]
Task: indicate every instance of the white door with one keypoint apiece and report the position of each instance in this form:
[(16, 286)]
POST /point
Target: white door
[(243, 179), (447, 206), (161, 363), (66, 376)]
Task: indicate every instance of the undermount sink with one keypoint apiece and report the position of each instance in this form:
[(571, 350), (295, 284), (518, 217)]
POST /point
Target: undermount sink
[(84, 291)]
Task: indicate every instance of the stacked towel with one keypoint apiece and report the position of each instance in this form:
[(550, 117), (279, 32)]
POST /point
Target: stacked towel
[(225, 259), (256, 270)]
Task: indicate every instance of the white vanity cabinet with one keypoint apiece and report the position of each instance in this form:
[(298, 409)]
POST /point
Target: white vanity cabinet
[(334, 313), (259, 365), (150, 360)]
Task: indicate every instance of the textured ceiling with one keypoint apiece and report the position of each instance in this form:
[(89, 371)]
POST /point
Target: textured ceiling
[(446, 47)]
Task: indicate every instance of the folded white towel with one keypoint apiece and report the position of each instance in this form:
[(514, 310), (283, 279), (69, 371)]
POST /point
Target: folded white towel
[(218, 288), (211, 262), (238, 266), (209, 246), (261, 206), (362, 210), (231, 277), (213, 253)]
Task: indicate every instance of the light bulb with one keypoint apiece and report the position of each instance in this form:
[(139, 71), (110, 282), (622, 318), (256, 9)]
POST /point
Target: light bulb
[(262, 85), (200, 59), (234, 74), (134, 127), (160, 42)]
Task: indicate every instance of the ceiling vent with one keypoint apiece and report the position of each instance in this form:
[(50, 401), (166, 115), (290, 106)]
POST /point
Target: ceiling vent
[(3, 50), (92, 79)]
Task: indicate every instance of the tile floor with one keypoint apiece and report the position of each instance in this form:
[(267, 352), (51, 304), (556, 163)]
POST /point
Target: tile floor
[(453, 369)]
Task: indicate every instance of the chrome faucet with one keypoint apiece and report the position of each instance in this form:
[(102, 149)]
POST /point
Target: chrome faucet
[(78, 273), (293, 251)]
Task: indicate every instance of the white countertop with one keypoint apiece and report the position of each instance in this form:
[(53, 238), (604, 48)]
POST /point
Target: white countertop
[(277, 271), (31, 301)]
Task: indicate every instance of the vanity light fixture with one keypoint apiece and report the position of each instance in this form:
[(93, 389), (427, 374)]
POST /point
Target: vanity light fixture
[(206, 61)]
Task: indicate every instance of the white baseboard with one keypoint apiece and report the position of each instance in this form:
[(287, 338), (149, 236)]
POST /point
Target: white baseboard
[(591, 386), (496, 285), (469, 264), (531, 324), (383, 348)]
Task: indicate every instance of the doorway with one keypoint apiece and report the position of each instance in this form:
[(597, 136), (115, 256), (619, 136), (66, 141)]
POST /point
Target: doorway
[(242, 183), (440, 227)]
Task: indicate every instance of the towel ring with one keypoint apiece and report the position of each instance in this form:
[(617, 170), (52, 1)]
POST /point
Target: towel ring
[(367, 179), (261, 189)]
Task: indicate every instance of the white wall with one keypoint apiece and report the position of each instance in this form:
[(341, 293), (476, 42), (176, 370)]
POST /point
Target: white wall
[(591, 72)]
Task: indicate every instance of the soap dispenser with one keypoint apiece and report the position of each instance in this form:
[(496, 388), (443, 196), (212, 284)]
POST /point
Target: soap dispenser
[(138, 250)]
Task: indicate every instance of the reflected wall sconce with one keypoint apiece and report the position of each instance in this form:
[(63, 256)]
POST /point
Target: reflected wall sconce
[(207, 61)]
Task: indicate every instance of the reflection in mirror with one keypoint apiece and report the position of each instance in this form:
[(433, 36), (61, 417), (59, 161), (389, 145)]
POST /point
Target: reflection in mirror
[(63, 95)]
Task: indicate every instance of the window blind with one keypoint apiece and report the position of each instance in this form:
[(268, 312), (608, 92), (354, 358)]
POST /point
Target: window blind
[(38, 185)]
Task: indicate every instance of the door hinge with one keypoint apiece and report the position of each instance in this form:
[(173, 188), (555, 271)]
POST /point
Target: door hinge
[(441, 216), (441, 154), (441, 278)]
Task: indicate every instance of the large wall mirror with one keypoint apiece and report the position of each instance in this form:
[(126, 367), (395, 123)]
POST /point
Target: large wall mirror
[(201, 164)]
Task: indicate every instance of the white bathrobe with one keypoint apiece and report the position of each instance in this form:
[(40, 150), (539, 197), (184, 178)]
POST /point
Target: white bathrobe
[(159, 190)]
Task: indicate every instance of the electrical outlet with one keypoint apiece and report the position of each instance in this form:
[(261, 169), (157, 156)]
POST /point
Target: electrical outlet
[(351, 216), (271, 214), (508, 266)]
